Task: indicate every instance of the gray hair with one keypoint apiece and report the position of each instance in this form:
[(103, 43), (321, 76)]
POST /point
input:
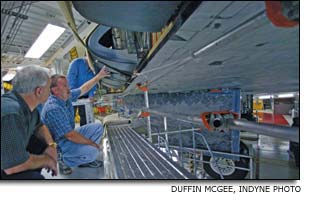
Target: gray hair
[(30, 77)]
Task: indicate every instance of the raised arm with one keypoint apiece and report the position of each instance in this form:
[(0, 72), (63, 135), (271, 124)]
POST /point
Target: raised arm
[(89, 84)]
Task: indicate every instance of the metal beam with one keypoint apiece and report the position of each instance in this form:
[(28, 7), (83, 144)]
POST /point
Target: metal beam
[(175, 132), (288, 133), (13, 13), (83, 32)]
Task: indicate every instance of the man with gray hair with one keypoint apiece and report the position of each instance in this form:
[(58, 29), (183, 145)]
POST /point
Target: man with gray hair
[(21, 158)]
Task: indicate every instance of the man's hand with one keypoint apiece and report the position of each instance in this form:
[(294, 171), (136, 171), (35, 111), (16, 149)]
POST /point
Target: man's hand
[(35, 162), (103, 73), (95, 145), (90, 83), (51, 165), (52, 154)]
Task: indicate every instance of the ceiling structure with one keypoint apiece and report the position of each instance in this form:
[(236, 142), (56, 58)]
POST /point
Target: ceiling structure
[(21, 24)]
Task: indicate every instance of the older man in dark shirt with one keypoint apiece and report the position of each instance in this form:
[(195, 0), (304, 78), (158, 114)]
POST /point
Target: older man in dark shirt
[(21, 158)]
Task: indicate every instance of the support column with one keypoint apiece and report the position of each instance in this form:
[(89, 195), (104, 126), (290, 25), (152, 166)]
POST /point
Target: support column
[(146, 98), (144, 88), (273, 108), (165, 128)]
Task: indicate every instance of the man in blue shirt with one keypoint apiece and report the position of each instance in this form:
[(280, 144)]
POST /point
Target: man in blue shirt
[(79, 147), (79, 72)]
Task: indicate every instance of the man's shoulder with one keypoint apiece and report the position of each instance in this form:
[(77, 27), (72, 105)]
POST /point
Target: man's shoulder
[(9, 105), (51, 104), (51, 112), (78, 61)]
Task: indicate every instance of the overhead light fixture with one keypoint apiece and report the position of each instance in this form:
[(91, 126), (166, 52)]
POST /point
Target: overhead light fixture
[(263, 97), (286, 95), (9, 76), (44, 41)]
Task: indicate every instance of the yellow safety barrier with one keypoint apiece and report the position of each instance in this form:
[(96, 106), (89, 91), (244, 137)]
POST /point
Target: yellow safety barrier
[(73, 53), (258, 104), (7, 86), (77, 117)]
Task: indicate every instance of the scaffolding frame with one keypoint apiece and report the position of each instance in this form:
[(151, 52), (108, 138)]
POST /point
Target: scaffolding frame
[(194, 150), (163, 143)]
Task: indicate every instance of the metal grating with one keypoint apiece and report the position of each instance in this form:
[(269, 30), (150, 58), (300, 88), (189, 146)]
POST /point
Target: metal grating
[(135, 158)]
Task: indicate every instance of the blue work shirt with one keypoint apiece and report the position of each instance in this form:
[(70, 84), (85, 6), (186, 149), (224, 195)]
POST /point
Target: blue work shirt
[(79, 73), (58, 115)]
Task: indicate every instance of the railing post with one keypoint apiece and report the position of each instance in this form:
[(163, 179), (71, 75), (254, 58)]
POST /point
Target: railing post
[(181, 146), (251, 168), (165, 127), (212, 156), (146, 98), (144, 88), (194, 150)]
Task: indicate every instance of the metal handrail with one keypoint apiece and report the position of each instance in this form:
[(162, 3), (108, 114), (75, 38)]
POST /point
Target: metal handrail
[(193, 130), (194, 134), (112, 172), (166, 145), (176, 131), (223, 153), (215, 152), (206, 143)]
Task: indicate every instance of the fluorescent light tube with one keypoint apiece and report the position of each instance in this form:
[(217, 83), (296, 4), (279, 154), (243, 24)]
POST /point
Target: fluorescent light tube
[(9, 76), (44, 41), (286, 95), (264, 97)]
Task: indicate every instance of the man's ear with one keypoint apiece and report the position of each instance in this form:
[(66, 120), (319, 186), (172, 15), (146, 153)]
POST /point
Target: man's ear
[(53, 90), (38, 91)]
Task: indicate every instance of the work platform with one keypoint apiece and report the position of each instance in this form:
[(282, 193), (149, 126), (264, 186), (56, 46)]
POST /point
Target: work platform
[(132, 157)]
